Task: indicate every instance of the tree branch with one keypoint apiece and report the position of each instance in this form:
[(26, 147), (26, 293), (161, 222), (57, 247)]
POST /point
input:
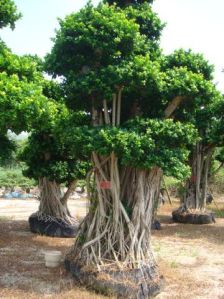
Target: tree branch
[(114, 110), (173, 106), (106, 114), (119, 106), (71, 187), (218, 168)]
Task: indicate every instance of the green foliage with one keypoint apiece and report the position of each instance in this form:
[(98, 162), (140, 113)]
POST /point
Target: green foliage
[(140, 144), (6, 150), (89, 53), (52, 90), (29, 102), (17, 102), (175, 186), (183, 82), (189, 75), (95, 50), (124, 3), (25, 67), (8, 13), (10, 150), (23, 106), (217, 184), (194, 62), (149, 23), (98, 51), (220, 155), (11, 177), (47, 154), (98, 37), (215, 115), (22, 102)]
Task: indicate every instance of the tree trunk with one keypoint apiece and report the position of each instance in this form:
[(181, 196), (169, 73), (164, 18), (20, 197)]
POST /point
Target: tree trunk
[(53, 217), (193, 208), (196, 187), (115, 235), (52, 201)]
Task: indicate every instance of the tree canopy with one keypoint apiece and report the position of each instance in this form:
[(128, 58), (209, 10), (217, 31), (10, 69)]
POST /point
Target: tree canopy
[(202, 104), (124, 3), (144, 107), (48, 154), (106, 51), (22, 101)]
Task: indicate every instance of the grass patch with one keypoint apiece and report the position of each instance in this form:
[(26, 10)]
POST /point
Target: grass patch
[(173, 265), (194, 253), (157, 247), (181, 234), (218, 213), (217, 184), (5, 218)]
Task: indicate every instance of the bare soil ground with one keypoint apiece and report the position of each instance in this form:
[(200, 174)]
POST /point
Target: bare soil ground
[(190, 257)]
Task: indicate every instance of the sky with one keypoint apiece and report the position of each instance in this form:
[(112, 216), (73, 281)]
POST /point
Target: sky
[(190, 24)]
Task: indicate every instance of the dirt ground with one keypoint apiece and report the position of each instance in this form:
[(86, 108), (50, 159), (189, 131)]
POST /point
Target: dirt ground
[(190, 257)]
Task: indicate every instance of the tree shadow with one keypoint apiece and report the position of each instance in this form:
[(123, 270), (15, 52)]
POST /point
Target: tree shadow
[(22, 261), (212, 233)]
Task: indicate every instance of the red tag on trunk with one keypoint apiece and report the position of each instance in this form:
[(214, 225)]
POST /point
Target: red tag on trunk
[(193, 178), (105, 184)]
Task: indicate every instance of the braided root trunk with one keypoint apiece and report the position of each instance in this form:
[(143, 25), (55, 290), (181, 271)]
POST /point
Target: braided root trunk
[(115, 235), (52, 203)]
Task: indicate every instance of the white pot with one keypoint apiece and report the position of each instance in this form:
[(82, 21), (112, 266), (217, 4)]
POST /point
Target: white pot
[(52, 258)]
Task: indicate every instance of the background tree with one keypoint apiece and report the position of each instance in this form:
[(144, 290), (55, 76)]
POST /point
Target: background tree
[(50, 161), (220, 158), (204, 110), (21, 97), (27, 102), (113, 71)]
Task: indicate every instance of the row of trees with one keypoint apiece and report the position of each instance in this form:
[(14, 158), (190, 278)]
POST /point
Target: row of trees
[(123, 115)]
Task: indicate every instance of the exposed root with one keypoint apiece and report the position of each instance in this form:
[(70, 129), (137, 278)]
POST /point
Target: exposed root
[(117, 228)]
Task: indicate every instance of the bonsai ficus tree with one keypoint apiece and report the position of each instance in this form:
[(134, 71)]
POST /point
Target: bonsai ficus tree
[(50, 161), (113, 71), (203, 108)]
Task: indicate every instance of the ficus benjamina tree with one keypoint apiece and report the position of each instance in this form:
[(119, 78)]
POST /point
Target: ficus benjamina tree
[(29, 102), (205, 112), (50, 161), (111, 67)]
